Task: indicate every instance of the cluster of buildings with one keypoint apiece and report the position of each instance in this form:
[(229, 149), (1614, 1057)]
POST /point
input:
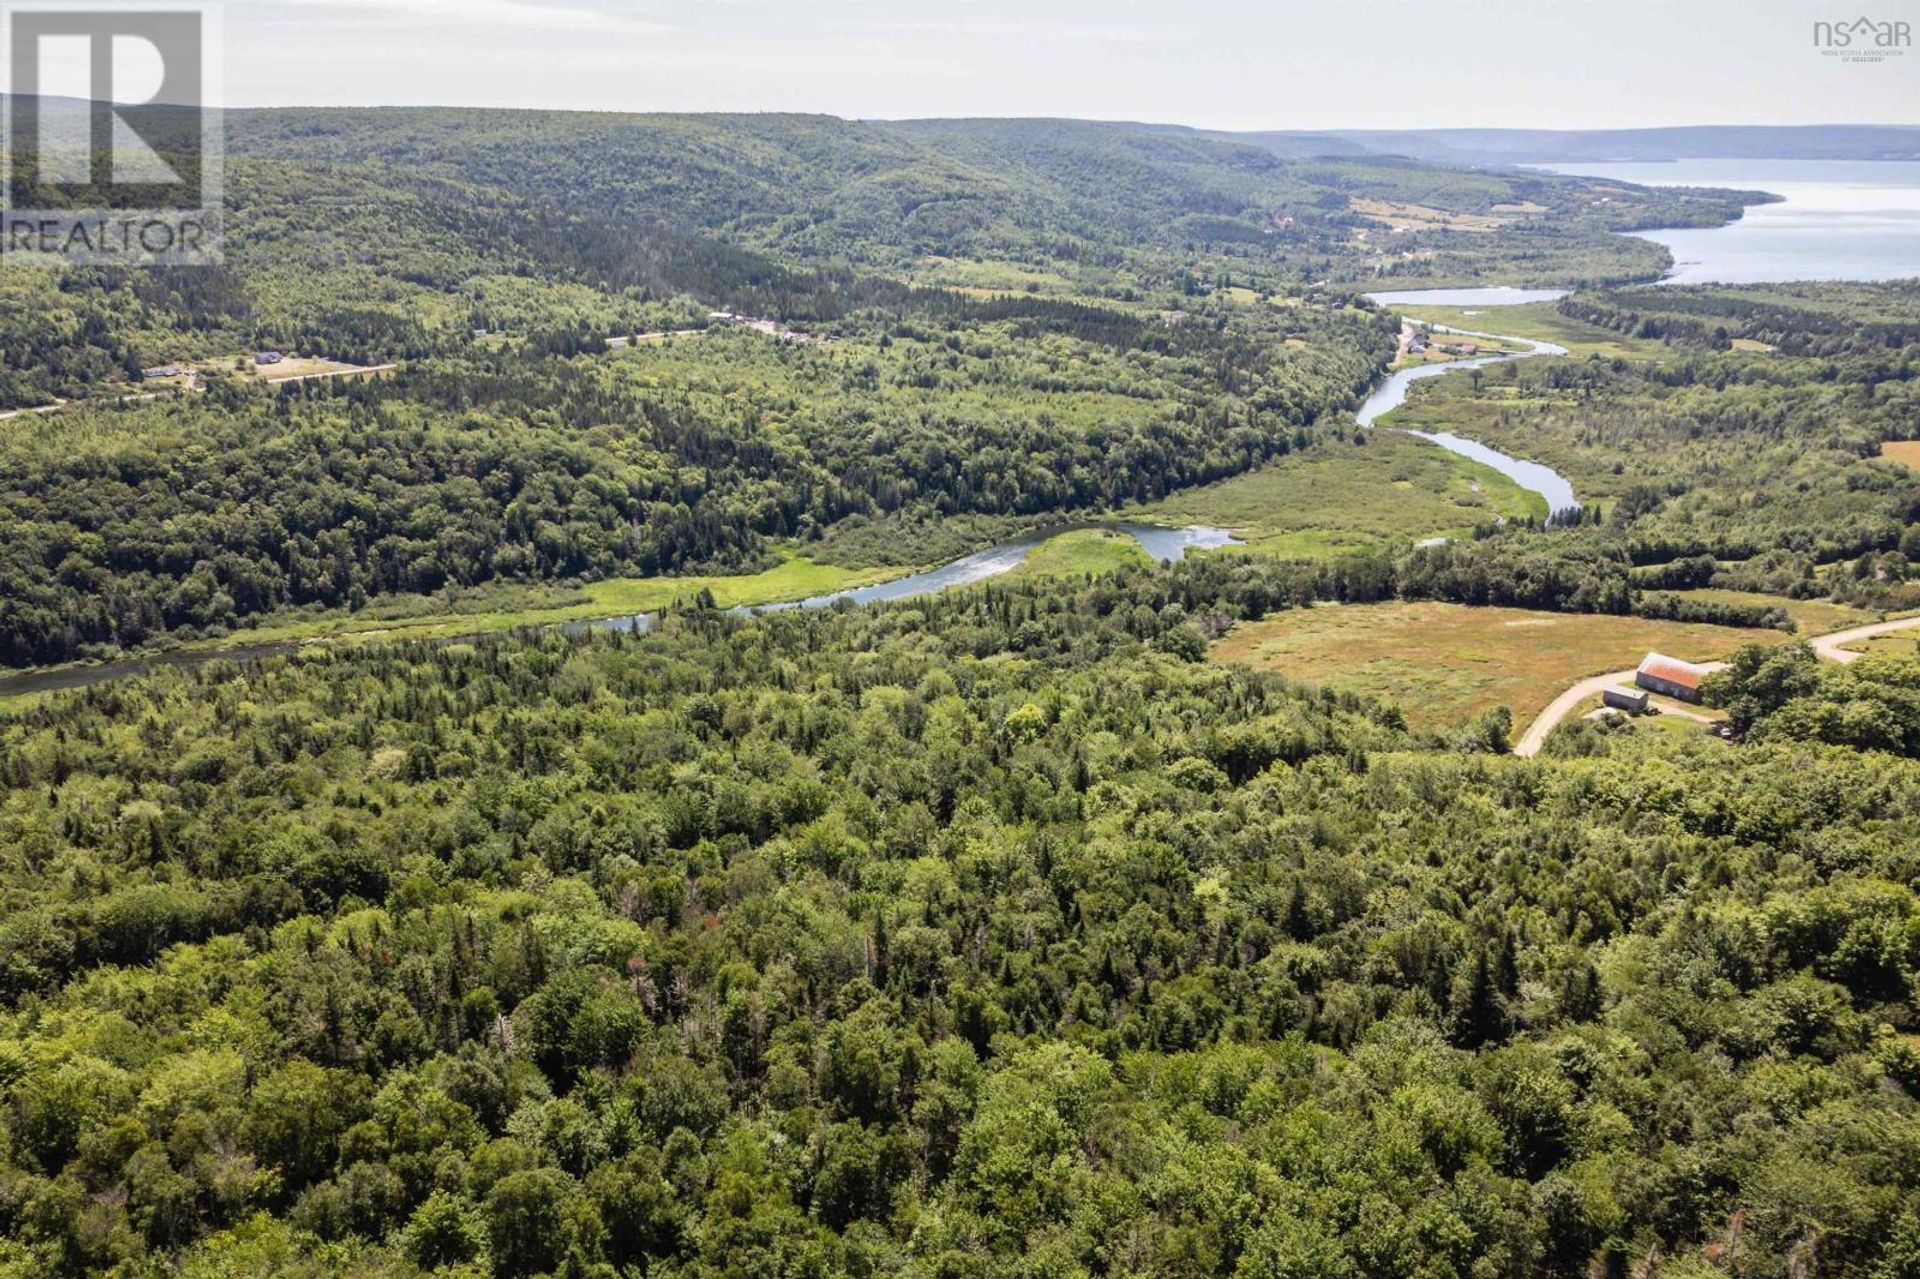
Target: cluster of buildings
[(772, 328), (261, 358)]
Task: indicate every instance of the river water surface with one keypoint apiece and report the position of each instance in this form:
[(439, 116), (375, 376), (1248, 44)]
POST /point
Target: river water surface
[(1160, 543)]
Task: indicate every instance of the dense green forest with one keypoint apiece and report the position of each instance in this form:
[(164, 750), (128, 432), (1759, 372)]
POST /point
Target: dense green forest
[(1014, 321), (992, 934), (1744, 453), (193, 515)]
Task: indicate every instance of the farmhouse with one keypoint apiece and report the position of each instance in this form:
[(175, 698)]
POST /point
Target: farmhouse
[(1616, 698), (1670, 676)]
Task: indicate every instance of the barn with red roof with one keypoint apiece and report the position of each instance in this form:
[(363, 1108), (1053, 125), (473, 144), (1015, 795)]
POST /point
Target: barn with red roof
[(1670, 677)]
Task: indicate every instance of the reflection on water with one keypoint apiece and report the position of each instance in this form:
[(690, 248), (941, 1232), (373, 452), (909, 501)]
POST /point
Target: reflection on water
[(1160, 543), (65, 677), (1532, 476), (1544, 480), (1836, 219)]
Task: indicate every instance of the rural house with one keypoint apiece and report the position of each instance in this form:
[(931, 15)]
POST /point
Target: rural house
[(268, 357), (1670, 676)]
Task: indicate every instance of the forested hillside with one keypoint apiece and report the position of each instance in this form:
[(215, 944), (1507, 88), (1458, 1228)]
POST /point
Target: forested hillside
[(989, 935), (1013, 320), (192, 516)]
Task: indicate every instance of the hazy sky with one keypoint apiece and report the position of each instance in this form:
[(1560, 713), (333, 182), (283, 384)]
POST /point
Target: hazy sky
[(1219, 63)]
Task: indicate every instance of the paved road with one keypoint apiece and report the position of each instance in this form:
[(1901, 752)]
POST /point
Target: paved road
[(1829, 646)]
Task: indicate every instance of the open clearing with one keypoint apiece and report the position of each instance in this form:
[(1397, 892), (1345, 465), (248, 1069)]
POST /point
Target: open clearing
[(508, 608), (1540, 321), (299, 366), (1444, 663), (1420, 217), (1905, 452), (1340, 496), (1903, 643)]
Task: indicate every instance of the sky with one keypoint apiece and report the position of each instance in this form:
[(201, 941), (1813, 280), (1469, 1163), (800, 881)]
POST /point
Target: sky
[(1226, 64)]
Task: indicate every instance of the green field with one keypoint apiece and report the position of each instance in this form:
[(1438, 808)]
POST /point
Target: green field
[(1813, 617), (1540, 321), (510, 608), (1341, 496), (1083, 551)]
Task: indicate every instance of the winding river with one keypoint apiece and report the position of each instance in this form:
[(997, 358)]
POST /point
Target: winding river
[(1160, 543), (1392, 393)]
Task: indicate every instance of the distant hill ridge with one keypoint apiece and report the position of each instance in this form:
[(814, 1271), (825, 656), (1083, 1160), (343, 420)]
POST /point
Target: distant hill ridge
[(1480, 147), (1472, 147)]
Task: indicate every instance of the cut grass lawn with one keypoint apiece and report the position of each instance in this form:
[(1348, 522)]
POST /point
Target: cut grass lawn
[(1445, 663), (1340, 496), (296, 366)]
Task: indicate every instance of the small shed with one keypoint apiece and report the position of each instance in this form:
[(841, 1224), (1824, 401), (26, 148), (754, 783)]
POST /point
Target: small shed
[(1670, 676), (1632, 700)]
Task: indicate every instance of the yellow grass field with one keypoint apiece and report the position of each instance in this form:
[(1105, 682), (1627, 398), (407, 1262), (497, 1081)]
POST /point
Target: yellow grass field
[(1420, 217), (1905, 452), (1444, 663)]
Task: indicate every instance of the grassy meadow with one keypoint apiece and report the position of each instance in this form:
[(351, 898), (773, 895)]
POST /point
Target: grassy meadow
[(1340, 496), (1541, 322), (1444, 663), (1082, 551)]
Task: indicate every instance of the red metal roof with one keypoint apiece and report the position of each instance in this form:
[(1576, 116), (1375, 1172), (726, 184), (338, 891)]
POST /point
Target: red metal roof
[(1672, 670)]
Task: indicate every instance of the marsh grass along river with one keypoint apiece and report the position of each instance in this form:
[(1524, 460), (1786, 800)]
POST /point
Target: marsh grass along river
[(1158, 542), (1392, 392)]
